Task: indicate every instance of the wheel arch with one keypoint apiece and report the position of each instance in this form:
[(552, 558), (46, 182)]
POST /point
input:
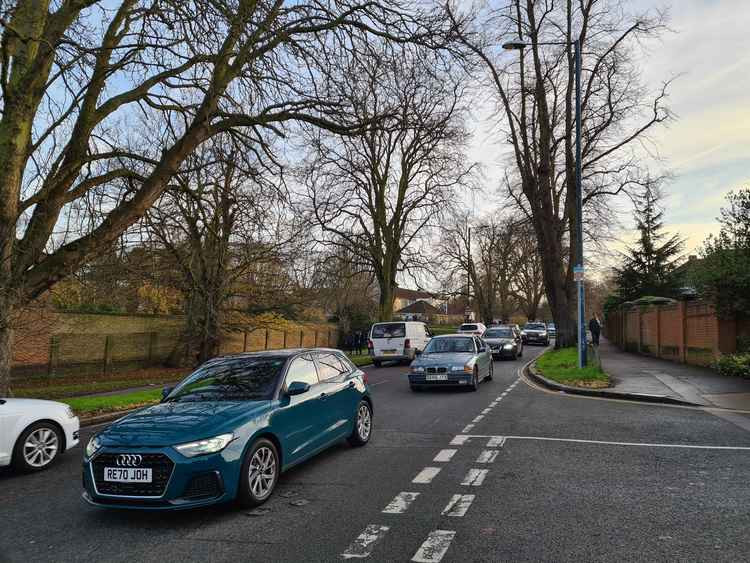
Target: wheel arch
[(271, 437), (61, 432)]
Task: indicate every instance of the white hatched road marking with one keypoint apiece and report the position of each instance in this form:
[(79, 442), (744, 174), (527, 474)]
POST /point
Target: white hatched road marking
[(487, 456), (475, 477), (478, 418), (362, 547), (444, 455), (485, 411), (434, 547), (460, 440), (400, 503), (496, 442), (458, 505), (468, 428), (426, 475)]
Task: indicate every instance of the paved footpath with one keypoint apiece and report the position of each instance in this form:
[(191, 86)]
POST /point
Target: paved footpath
[(641, 374), (508, 473)]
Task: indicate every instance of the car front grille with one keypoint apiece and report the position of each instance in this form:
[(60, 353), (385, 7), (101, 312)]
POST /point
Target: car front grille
[(161, 470), (436, 370)]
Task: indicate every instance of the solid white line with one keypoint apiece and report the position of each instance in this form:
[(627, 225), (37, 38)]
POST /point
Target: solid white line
[(363, 545), (426, 475), (458, 505), (495, 441), (485, 411), (400, 503), (444, 455), (467, 428), (460, 440), (377, 383), (434, 547), (645, 445), (487, 456), (478, 418), (475, 477)]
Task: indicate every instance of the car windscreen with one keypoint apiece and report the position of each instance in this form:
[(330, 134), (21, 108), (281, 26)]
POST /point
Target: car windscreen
[(498, 333), (469, 327), (535, 326), (447, 345), (231, 379), (389, 330)]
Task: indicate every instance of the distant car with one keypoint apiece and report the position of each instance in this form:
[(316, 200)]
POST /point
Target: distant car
[(504, 342), (476, 329), (535, 333), (400, 341), (551, 330), (452, 359), (33, 433), (228, 430)]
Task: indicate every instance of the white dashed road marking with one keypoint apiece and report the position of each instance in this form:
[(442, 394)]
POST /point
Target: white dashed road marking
[(468, 428), (444, 455), (400, 503), (458, 505), (485, 411), (434, 547), (460, 440), (362, 547), (478, 418), (426, 475), (475, 477), (487, 456), (496, 442)]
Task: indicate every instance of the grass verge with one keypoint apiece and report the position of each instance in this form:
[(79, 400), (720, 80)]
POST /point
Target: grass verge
[(562, 366), (360, 359), (108, 403)]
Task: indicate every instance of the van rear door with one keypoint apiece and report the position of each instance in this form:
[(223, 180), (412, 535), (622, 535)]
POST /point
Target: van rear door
[(388, 339)]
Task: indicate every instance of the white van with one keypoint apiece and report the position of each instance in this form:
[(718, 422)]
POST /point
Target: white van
[(397, 340)]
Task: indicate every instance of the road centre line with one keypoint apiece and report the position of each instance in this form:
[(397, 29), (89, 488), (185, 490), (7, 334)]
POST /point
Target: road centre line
[(444, 455), (485, 411), (495, 441), (362, 546), (426, 475), (475, 477), (458, 505), (400, 503), (434, 547), (487, 456), (478, 418), (467, 428)]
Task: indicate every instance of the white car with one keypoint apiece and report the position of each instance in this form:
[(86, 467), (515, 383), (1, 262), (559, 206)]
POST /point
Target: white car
[(33, 433), (477, 329)]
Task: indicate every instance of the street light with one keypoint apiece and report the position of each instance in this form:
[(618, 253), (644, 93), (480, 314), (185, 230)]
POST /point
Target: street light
[(519, 45)]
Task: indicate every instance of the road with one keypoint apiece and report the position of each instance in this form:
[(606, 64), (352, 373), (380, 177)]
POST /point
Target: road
[(507, 473)]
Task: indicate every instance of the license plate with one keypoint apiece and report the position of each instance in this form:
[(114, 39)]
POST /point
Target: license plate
[(389, 352), (127, 474), (436, 377)]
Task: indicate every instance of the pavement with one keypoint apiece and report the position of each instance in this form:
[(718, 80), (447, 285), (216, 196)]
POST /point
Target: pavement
[(511, 472), (645, 375)]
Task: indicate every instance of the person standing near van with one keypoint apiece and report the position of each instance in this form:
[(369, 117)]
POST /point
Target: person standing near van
[(359, 340)]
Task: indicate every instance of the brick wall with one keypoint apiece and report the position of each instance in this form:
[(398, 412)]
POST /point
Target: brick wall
[(688, 332)]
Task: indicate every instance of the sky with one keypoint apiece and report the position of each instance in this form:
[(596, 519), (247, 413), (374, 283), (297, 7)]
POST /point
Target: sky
[(707, 147)]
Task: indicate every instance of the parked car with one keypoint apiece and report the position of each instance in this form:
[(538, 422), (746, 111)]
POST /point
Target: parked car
[(551, 330), (535, 333), (228, 431), (452, 359), (504, 342), (399, 341), (33, 433), (476, 329)]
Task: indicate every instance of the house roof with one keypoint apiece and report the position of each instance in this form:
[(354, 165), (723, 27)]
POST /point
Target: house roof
[(420, 307), (403, 293)]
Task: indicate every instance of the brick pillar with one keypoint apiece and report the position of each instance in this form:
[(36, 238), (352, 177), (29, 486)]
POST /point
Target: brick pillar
[(658, 331), (682, 336), (639, 322), (316, 338), (54, 355), (152, 336), (244, 341), (284, 339), (301, 336), (266, 344)]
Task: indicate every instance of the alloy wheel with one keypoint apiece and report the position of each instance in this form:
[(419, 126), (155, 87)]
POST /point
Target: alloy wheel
[(41, 447), (262, 472), (364, 422)]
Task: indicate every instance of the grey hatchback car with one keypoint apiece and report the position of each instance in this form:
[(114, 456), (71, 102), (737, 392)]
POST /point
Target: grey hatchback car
[(504, 342)]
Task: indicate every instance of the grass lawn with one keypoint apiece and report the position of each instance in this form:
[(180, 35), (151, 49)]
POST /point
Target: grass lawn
[(562, 366), (108, 403), (443, 329), (360, 359)]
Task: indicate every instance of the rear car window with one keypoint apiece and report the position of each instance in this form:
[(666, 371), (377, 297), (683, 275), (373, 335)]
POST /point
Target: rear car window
[(389, 330), (498, 333), (536, 326), (330, 367), (469, 327)]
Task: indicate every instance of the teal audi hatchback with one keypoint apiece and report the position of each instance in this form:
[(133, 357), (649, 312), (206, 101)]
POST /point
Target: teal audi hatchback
[(228, 430)]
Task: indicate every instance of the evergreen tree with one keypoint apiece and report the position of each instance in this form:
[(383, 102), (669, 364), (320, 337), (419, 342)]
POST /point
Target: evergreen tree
[(649, 267)]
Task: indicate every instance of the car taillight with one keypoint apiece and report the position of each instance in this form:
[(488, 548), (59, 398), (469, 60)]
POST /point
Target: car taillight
[(364, 378), (369, 344), (407, 343)]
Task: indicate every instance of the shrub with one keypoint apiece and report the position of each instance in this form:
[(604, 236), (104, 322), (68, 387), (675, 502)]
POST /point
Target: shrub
[(735, 365)]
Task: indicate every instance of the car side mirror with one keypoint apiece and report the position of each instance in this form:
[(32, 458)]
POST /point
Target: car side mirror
[(297, 388), (418, 352), (165, 392)]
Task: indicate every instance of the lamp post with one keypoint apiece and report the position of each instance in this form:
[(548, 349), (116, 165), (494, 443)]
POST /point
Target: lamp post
[(519, 45)]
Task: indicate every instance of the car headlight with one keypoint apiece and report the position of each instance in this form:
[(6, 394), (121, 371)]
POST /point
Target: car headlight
[(508, 346), (417, 369), (467, 368), (69, 412), (207, 446), (523, 333), (93, 446)]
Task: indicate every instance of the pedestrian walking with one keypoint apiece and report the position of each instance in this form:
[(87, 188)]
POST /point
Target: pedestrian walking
[(360, 338), (596, 328)]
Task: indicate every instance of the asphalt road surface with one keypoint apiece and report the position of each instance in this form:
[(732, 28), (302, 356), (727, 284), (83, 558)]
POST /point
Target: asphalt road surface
[(508, 473)]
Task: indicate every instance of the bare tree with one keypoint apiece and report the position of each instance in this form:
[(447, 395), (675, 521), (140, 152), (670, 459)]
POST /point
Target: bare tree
[(77, 76), (528, 278), (534, 90), (375, 193)]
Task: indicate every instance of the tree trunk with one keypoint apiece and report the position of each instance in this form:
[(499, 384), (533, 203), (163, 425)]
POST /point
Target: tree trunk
[(385, 305), (6, 332)]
